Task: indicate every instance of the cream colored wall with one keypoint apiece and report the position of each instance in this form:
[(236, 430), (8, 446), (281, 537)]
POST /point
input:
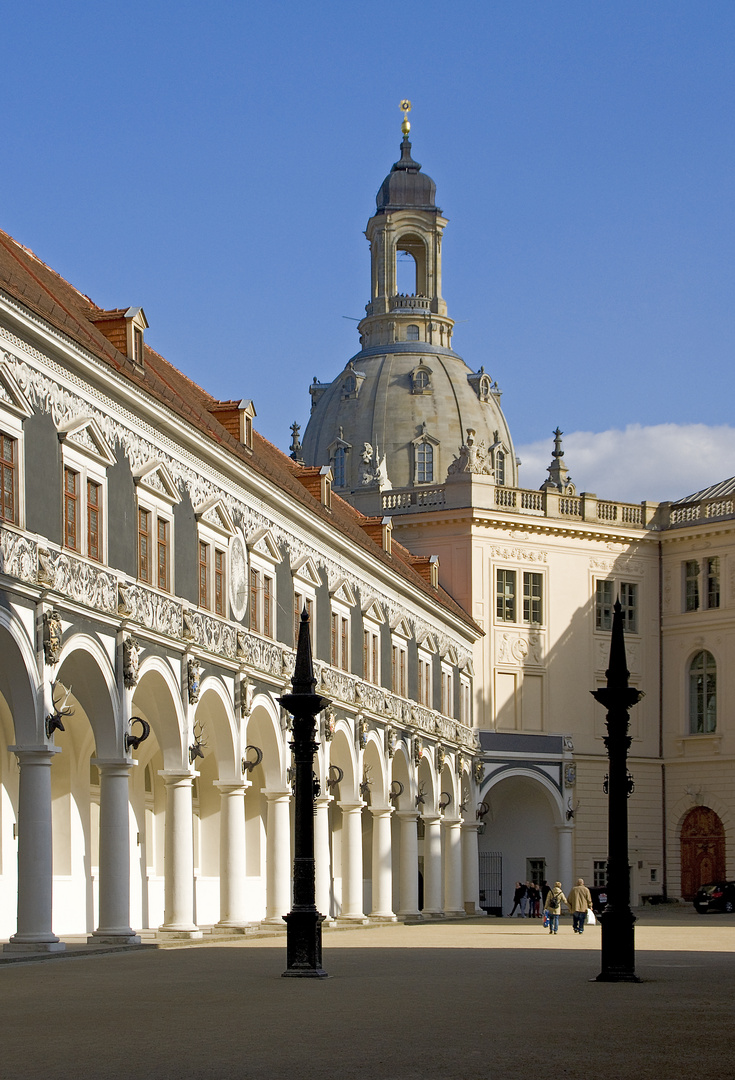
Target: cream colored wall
[(700, 769)]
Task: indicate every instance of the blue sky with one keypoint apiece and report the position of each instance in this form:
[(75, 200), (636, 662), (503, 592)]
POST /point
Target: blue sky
[(217, 163)]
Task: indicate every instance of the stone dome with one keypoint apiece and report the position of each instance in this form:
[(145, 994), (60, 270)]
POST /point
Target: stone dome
[(389, 401), (406, 186)]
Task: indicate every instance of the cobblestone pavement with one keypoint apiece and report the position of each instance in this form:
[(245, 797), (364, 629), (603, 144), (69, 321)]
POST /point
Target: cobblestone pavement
[(483, 999)]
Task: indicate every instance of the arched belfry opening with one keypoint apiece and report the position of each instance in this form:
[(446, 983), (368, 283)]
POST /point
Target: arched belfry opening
[(410, 272)]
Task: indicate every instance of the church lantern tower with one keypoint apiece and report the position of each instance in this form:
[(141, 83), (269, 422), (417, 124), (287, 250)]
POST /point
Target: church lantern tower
[(407, 414)]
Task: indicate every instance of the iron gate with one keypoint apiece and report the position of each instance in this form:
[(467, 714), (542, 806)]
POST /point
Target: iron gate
[(491, 882)]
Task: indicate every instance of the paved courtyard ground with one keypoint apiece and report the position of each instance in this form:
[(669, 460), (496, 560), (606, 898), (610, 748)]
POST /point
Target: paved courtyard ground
[(486, 999)]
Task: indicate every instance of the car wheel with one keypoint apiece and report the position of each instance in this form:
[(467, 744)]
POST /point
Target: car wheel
[(701, 910), (729, 906)]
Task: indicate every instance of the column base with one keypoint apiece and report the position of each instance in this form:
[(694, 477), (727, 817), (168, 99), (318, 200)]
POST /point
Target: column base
[(470, 909), (113, 937), (377, 916), (234, 927), (414, 916), (274, 920), (434, 914), (15, 946), (456, 913), (174, 934), (352, 920)]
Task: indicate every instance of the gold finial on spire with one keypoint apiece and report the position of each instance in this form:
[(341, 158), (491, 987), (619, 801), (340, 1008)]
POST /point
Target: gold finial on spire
[(406, 108)]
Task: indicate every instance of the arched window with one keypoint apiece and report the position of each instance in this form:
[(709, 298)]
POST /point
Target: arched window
[(425, 463), (499, 467), (421, 380), (484, 387), (349, 385), (702, 694), (412, 332), (338, 467)]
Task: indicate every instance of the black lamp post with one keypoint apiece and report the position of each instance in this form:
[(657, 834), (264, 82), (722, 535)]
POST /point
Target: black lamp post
[(303, 922), (618, 948)]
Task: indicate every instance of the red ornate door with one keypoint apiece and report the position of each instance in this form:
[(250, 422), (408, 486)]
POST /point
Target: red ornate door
[(702, 850)]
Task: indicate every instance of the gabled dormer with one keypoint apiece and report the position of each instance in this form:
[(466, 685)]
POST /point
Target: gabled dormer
[(237, 417), (343, 592), (125, 329), (263, 543)]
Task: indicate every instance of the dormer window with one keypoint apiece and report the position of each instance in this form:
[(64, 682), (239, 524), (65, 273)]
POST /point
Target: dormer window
[(351, 383), (421, 380), (499, 467), (412, 332), (135, 325), (339, 466)]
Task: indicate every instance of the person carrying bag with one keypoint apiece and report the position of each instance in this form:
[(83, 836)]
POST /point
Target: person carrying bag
[(554, 900)]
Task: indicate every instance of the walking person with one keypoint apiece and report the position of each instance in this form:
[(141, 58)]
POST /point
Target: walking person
[(525, 899), (518, 896), (580, 901), (554, 900)]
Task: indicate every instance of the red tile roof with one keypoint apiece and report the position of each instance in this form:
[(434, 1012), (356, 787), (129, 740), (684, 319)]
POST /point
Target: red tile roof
[(24, 277)]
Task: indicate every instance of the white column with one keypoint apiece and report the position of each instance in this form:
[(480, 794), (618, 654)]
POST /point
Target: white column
[(35, 852), (565, 856), (408, 884), (453, 902), (322, 860), (278, 856), (232, 867), (382, 891), (114, 848), (178, 858), (432, 866), (352, 861), (471, 867)]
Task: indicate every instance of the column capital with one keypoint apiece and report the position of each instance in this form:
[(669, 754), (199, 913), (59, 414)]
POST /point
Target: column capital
[(564, 828), (278, 796), (324, 800), (381, 811), (350, 807), (470, 826), (114, 766), (407, 815), (431, 819), (232, 787), (172, 778), (30, 755)]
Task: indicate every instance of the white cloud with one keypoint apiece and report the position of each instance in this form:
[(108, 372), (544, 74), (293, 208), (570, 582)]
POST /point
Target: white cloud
[(665, 461)]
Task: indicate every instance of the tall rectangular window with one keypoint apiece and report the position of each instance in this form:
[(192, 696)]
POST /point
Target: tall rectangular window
[(425, 681), (144, 545), (254, 586), (532, 598), (8, 479), (267, 606), (629, 604), (220, 564), (691, 585), (370, 655), (299, 603), (506, 595), (94, 519), (712, 583), (398, 656), (163, 554), (203, 575), (447, 693), (71, 509), (604, 605)]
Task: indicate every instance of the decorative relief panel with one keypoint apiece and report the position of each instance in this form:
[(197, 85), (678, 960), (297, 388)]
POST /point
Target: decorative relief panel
[(518, 554), (18, 556), (632, 655), (156, 612), (212, 634), (117, 426), (81, 582), (518, 648), (618, 566)]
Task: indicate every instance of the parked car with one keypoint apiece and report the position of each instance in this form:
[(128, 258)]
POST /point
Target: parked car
[(717, 896)]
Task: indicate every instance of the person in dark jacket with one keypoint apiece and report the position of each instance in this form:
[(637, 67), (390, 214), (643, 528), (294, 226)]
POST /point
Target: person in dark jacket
[(518, 895)]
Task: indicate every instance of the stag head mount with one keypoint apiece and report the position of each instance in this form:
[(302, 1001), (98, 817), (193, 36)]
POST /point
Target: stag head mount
[(196, 750), (61, 708)]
